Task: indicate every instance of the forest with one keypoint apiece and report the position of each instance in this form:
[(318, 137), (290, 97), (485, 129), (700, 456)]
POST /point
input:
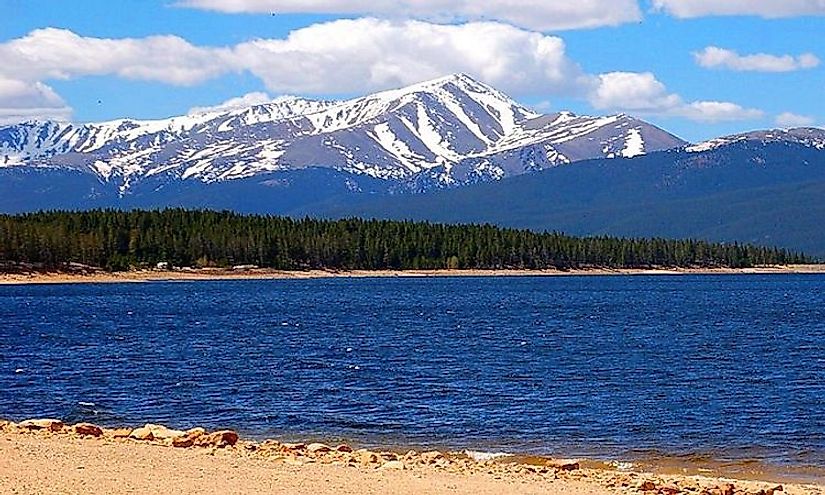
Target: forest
[(121, 240)]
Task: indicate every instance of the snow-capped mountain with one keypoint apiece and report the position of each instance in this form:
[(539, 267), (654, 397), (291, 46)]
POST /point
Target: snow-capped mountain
[(810, 137), (443, 132)]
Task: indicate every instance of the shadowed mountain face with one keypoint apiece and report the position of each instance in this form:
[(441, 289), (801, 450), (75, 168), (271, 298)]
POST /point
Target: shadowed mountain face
[(275, 192), (754, 190)]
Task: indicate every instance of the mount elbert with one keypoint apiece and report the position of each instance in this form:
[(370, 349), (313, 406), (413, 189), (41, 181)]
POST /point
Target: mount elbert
[(452, 150)]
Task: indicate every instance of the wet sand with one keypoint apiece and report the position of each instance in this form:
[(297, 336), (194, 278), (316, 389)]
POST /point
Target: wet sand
[(86, 459), (267, 274)]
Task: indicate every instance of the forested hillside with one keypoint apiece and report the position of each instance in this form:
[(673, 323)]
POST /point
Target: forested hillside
[(118, 240), (751, 192)]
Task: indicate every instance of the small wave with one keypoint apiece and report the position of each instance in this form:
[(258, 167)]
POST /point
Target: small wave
[(86, 404), (485, 456)]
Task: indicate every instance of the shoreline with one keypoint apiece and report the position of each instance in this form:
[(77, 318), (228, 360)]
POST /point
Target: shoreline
[(207, 274), (86, 458)]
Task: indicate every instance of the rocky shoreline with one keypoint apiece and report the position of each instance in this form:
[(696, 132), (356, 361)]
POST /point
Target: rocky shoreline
[(538, 471)]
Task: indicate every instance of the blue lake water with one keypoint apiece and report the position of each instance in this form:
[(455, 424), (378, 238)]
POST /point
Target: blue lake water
[(731, 367)]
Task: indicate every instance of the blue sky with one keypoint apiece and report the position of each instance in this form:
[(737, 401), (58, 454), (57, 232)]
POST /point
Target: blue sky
[(699, 68)]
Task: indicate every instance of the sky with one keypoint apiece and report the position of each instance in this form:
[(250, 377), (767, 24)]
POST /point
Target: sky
[(698, 68)]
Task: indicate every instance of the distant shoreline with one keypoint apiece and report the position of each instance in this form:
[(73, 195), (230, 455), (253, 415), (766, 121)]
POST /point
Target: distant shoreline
[(207, 274)]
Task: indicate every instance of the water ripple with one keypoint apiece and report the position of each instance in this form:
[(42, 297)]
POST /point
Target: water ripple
[(723, 367)]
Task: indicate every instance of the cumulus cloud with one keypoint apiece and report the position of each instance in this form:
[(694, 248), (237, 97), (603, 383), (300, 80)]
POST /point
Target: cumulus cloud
[(342, 57), (788, 120), (61, 54), (542, 15), (717, 111), (763, 8), (642, 93), (369, 54), (21, 100), (245, 101), (714, 57), (633, 92)]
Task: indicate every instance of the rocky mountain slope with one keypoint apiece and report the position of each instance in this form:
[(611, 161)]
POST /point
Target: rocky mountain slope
[(441, 133)]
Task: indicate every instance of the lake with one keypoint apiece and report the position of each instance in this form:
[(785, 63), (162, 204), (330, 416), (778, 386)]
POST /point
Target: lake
[(613, 367)]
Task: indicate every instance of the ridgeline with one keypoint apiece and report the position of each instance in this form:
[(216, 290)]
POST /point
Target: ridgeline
[(121, 240)]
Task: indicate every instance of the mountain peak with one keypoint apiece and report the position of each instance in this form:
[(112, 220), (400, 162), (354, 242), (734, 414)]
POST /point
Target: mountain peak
[(458, 78), (460, 81)]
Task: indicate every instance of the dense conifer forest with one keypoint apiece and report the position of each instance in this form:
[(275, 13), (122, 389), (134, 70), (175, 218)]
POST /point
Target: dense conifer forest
[(121, 240)]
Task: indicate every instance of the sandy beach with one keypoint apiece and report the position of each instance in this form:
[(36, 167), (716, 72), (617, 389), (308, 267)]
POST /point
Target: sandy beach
[(46, 456), (267, 274)]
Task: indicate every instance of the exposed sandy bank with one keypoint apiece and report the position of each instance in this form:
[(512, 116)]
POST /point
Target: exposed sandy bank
[(265, 274)]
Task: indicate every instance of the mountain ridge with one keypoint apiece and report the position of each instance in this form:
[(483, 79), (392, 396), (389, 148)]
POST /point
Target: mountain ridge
[(428, 128)]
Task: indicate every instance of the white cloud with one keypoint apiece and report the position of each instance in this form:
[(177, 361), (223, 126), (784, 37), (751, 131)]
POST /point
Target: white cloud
[(643, 94), (542, 15), (21, 101), (714, 57), (370, 54), (245, 101), (342, 57), (632, 92), (788, 120), (61, 54), (717, 111), (763, 8)]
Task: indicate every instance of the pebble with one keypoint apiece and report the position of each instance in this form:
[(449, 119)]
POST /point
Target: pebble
[(42, 424), (318, 448), (142, 433), (394, 465), (87, 429), (220, 439), (160, 432)]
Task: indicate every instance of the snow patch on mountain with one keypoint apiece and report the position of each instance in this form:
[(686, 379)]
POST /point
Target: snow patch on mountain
[(634, 144), (397, 147), (712, 144)]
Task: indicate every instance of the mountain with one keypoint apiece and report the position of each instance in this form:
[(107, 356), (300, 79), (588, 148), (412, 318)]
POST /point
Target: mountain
[(810, 137), (763, 187), (442, 133), (450, 150)]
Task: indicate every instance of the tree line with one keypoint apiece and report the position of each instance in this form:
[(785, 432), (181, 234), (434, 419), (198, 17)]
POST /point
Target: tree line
[(120, 240)]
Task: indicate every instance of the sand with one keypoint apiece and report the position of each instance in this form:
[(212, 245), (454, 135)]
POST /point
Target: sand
[(75, 466), (266, 274), (46, 462)]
